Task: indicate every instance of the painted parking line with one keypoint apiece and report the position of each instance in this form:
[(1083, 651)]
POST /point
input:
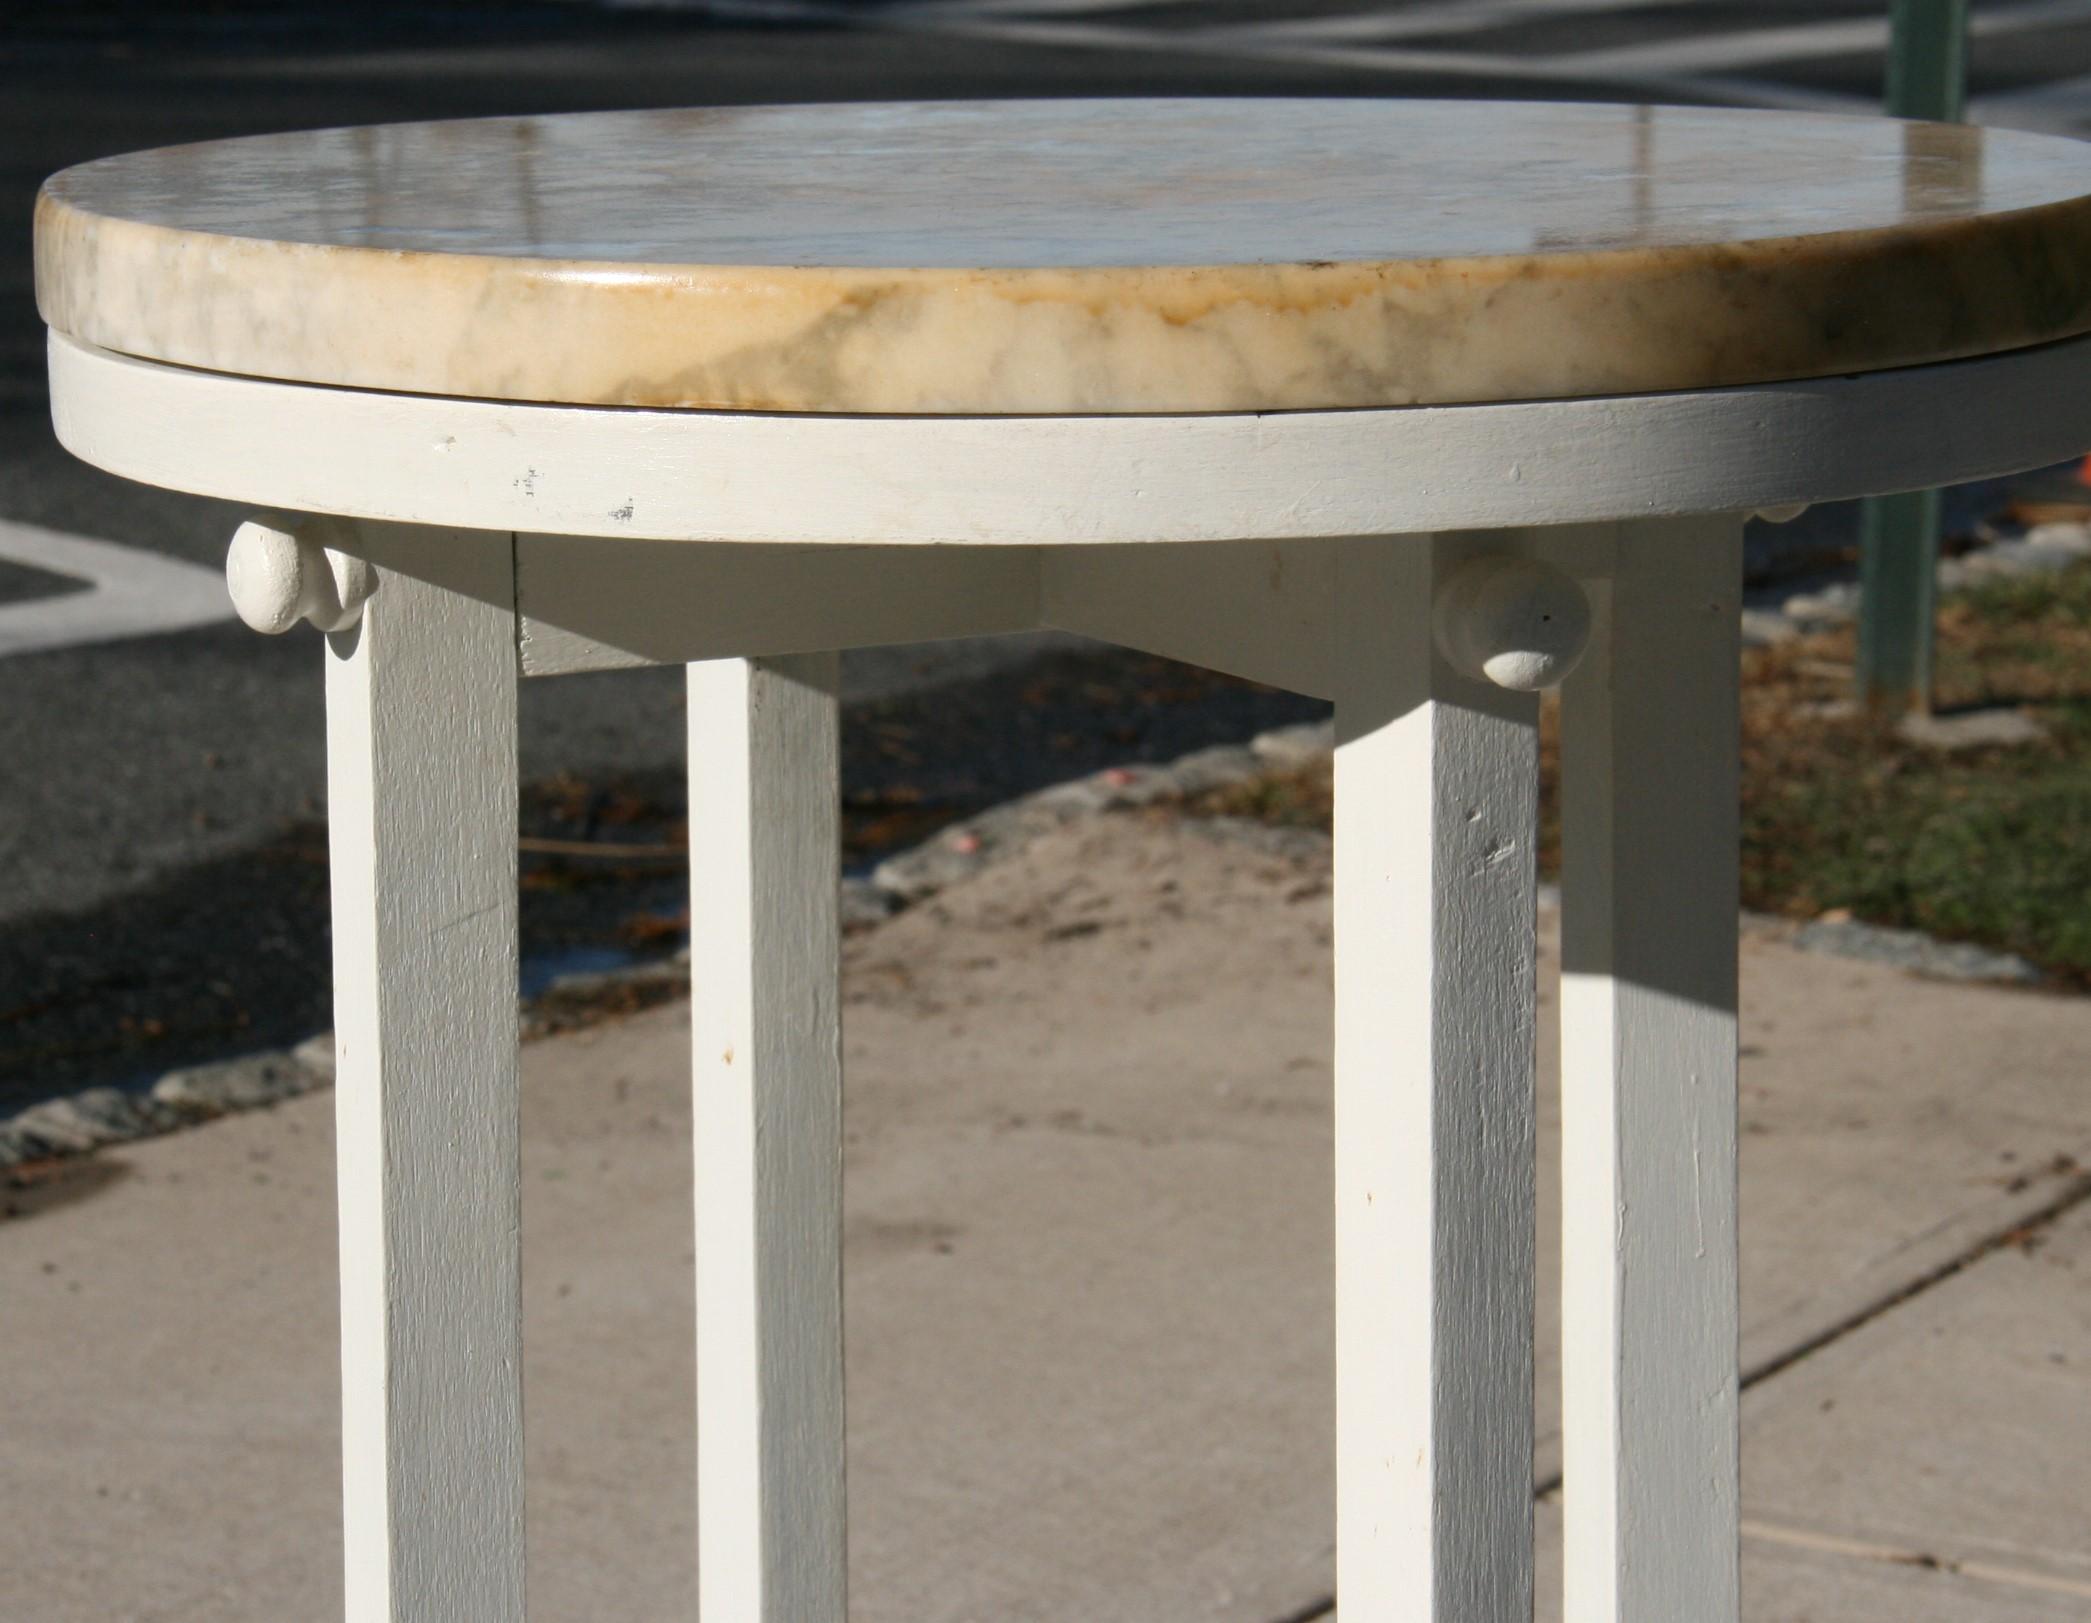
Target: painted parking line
[(1813, 40), (1452, 41), (1442, 20), (130, 592), (1275, 47)]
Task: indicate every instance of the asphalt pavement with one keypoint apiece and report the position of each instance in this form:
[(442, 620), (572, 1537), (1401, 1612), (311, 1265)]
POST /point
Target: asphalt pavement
[(161, 812)]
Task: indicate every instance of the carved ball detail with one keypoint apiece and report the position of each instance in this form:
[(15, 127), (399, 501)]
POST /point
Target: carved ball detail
[(1516, 622), (278, 577)]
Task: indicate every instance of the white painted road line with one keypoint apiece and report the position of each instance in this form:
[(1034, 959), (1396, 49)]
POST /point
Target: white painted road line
[(1688, 67), (1445, 64), (1031, 8), (2058, 107), (1384, 27), (131, 592), (1769, 47)]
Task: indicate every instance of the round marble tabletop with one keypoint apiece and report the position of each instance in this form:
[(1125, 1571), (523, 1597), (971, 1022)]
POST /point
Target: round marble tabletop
[(1076, 256)]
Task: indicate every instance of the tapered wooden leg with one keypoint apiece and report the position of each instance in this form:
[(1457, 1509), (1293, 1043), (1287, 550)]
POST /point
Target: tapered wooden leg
[(421, 784), (764, 858), (1649, 762), (1436, 814)]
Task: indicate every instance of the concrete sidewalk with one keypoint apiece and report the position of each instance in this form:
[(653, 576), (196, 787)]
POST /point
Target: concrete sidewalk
[(1089, 1303)]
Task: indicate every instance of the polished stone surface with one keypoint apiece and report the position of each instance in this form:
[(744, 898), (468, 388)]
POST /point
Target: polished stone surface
[(1076, 256)]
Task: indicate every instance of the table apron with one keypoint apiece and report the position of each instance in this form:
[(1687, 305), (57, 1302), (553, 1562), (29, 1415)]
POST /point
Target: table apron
[(1261, 610), (735, 477)]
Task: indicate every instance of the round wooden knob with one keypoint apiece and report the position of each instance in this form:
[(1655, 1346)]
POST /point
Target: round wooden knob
[(1515, 622), (278, 577)]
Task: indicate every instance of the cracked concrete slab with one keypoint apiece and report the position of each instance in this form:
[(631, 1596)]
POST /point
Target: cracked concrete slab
[(1792, 1575), (1088, 1235), (1949, 1436), (1790, 1580), (1888, 1126)]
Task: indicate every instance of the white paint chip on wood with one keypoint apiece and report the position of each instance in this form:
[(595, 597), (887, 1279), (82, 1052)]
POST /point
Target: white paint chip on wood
[(766, 1038), (1649, 1321), (421, 770), (1436, 817)]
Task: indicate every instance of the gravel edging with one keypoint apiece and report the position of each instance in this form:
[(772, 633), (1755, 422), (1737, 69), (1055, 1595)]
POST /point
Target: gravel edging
[(1912, 950), (81, 1123), (2040, 550)]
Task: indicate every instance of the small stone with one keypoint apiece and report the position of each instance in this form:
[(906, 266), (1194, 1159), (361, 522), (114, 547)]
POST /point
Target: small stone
[(1973, 729), (1763, 627), (316, 1054), (863, 904), (2013, 558), (1078, 797), (1220, 767), (1265, 839), (1137, 785), (581, 983), (238, 1084), (1914, 951), (2071, 538), (84, 1121), (592, 983), (928, 868), (119, 1114), (1296, 746), (1835, 604), (1002, 830)]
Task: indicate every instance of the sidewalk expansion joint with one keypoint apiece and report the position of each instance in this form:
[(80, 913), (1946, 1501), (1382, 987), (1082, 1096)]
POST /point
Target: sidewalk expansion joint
[(2022, 1229)]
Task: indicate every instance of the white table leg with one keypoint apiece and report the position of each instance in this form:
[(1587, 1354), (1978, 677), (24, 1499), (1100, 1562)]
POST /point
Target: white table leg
[(421, 784), (1436, 814), (764, 855), (1648, 1061)]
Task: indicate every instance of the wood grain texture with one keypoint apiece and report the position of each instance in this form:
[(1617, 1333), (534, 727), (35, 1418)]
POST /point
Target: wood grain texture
[(422, 819), (766, 1039), (1649, 1319), (1436, 819), (1000, 481)]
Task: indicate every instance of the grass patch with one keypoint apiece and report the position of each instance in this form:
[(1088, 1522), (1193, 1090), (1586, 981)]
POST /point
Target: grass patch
[(1839, 815)]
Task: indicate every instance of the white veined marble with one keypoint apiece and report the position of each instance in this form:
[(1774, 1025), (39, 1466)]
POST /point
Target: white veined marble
[(1076, 256)]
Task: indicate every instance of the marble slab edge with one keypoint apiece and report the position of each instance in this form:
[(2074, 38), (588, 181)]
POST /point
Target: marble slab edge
[(1046, 341)]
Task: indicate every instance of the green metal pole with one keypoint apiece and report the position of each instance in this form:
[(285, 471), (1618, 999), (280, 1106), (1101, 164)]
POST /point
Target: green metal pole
[(1928, 60), (1899, 535)]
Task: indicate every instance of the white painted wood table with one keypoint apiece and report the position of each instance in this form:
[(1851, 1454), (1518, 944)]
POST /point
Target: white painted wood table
[(1402, 404)]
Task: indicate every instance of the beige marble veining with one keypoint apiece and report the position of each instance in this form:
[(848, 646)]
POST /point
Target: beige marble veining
[(1076, 256)]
